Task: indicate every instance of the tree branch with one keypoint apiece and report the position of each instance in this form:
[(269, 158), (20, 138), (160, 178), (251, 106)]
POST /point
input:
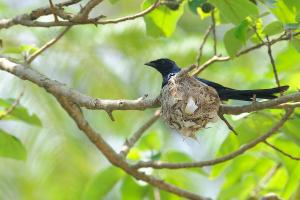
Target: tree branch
[(83, 15), (243, 149), (26, 20), (205, 37), (12, 107), (47, 45), (273, 63), (76, 114), (213, 19), (218, 58), (52, 86)]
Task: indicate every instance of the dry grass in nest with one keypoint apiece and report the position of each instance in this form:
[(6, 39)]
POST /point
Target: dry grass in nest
[(188, 105)]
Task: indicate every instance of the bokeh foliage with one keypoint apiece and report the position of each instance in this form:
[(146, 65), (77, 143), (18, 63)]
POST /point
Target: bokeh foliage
[(44, 156)]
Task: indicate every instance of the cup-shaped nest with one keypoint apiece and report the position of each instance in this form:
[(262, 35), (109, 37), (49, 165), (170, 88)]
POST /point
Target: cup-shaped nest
[(188, 104)]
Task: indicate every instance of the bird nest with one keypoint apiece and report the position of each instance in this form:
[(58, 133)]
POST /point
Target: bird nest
[(188, 105)]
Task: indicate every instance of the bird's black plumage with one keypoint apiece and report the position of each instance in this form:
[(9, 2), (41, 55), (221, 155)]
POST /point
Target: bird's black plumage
[(169, 68)]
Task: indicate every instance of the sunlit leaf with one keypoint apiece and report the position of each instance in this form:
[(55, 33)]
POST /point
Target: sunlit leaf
[(273, 28), (177, 156), (19, 113), (162, 21), (232, 43), (30, 49), (286, 10), (151, 141), (253, 127), (131, 190), (243, 176), (100, 185), (134, 154), (11, 147), (235, 11), (242, 31), (296, 44)]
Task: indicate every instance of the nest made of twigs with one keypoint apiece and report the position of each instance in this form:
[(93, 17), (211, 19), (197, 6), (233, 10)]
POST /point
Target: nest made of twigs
[(188, 104)]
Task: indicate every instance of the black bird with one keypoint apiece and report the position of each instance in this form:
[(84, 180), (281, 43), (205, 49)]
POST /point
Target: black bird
[(169, 68)]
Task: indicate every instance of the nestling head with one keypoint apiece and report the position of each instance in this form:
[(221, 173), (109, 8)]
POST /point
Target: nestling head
[(164, 66)]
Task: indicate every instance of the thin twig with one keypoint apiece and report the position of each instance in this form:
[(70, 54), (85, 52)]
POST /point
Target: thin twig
[(128, 144), (273, 63), (208, 63), (53, 11), (227, 123), (12, 107), (26, 20), (206, 34), (213, 19), (83, 15), (217, 58), (281, 151), (47, 45), (243, 149)]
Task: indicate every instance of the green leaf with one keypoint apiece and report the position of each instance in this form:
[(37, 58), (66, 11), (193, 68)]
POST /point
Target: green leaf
[(134, 154), (235, 11), (254, 126), (243, 175), (286, 10), (295, 43), (229, 145), (151, 141), (232, 43), (113, 1), (11, 147), (102, 183), (195, 4), (242, 30), (29, 49), (19, 113), (162, 21), (177, 156), (131, 190), (273, 28)]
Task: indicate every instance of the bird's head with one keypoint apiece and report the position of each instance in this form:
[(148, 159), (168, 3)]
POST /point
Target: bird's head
[(164, 65)]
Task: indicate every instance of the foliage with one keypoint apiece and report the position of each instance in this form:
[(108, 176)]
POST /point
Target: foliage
[(107, 62)]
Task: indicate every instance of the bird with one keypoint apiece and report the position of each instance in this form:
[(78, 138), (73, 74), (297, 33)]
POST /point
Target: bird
[(168, 68)]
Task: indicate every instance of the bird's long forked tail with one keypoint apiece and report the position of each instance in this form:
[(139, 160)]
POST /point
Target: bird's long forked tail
[(247, 95)]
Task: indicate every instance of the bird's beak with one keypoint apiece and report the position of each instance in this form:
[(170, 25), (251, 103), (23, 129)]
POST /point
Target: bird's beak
[(151, 64)]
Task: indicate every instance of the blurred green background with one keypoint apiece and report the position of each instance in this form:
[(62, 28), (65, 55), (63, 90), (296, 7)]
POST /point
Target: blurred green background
[(107, 62)]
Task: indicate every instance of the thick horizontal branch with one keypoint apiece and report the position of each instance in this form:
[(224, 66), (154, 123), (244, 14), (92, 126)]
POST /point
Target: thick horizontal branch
[(24, 72), (59, 89)]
